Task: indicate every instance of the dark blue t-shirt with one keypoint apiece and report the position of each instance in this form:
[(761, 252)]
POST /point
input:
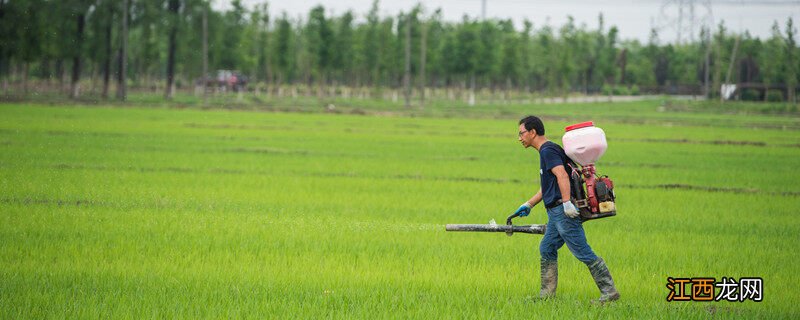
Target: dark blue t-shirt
[(551, 155)]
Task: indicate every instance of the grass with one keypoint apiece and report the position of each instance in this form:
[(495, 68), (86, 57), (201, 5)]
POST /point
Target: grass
[(162, 212)]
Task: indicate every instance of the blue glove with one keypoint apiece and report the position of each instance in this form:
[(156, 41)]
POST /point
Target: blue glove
[(523, 210)]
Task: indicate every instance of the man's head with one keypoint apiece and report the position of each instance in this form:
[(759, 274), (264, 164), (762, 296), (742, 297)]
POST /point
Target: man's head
[(531, 129)]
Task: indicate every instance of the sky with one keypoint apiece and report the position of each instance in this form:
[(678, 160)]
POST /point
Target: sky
[(634, 19)]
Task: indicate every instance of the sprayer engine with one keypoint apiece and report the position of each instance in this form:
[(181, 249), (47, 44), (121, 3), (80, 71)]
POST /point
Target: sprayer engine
[(594, 194)]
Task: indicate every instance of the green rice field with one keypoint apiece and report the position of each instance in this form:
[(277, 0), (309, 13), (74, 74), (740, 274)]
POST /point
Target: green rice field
[(140, 212)]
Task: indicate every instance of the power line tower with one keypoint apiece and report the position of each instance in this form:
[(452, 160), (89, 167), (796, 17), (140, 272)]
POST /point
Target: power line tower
[(685, 18)]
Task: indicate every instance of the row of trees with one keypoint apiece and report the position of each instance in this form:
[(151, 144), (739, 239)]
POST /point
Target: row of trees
[(164, 43)]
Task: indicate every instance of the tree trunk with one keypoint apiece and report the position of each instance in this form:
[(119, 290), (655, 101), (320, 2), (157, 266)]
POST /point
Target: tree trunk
[(279, 84), (730, 67), (123, 54), (94, 78), (268, 58), (4, 75), (12, 74), (60, 73), (422, 53), (76, 59), (707, 72), (472, 89), (3, 61), (254, 72), (46, 72), (3, 70), (174, 5), (507, 90), (205, 56), (623, 64), (109, 52), (407, 73), (25, 77)]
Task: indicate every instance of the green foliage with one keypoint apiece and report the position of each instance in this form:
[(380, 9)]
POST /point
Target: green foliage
[(620, 90), (775, 96), (40, 35), (320, 41), (607, 90), (343, 51), (283, 48), (750, 95)]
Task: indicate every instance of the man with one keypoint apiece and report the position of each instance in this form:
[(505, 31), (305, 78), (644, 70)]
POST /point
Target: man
[(563, 222)]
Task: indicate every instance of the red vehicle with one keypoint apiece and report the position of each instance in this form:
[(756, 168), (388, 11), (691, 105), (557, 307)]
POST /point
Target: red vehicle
[(226, 80)]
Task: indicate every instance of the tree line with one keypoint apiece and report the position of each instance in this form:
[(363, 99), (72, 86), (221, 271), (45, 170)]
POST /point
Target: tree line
[(166, 44)]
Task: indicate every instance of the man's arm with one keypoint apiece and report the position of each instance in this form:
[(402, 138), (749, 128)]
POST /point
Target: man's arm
[(563, 182), (536, 198), (525, 208), (563, 186)]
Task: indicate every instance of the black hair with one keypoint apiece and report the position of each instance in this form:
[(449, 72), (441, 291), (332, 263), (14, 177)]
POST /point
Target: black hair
[(533, 122)]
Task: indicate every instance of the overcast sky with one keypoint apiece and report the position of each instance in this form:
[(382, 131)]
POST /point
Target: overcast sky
[(633, 18)]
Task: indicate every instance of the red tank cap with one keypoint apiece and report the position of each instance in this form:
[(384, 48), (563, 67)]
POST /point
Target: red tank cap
[(579, 125)]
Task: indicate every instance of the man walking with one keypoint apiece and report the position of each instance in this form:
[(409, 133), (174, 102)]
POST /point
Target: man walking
[(563, 222)]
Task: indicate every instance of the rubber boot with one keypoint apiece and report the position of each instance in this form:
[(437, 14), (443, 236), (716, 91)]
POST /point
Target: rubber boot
[(549, 278), (602, 277)]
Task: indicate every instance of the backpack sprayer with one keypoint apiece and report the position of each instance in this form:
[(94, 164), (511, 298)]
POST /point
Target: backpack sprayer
[(593, 195)]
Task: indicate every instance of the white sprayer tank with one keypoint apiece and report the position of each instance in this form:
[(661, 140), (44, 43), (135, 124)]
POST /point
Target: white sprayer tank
[(584, 143)]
